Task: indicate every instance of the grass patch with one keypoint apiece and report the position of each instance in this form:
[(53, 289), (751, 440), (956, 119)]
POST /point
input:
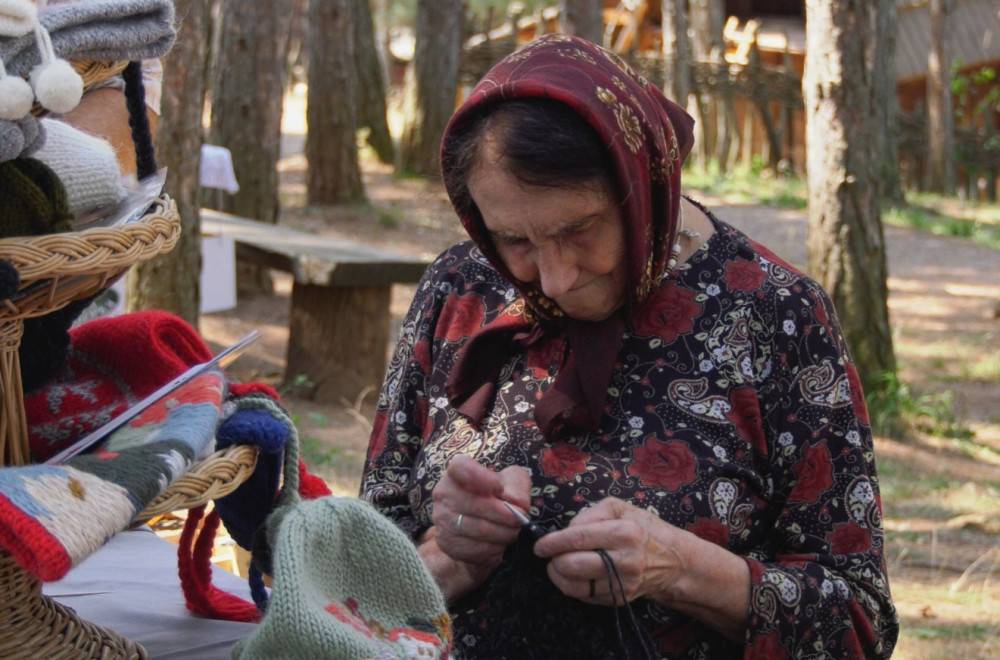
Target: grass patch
[(894, 409), (938, 623), (935, 221), (756, 185)]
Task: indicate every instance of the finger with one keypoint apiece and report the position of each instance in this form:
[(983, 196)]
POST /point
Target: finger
[(479, 521), (610, 508), (600, 534), (472, 477), (584, 578), (516, 483)]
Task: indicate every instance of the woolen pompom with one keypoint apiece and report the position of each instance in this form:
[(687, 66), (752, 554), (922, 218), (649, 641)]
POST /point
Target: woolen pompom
[(15, 97), (57, 86)]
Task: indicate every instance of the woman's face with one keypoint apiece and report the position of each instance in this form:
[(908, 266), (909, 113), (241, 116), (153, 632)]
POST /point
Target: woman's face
[(569, 242)]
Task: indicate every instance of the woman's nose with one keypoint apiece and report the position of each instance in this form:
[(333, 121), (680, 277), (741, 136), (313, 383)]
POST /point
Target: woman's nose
[(557, 270)]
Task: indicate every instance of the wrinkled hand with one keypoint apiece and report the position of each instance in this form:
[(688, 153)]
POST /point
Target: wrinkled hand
[(477, 494), (646, 552)]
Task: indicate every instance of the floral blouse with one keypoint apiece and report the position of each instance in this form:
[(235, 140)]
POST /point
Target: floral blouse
[(733, 412)]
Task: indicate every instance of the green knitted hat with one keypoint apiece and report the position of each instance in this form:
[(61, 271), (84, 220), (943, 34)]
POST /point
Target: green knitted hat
[(348, 584), (34, 199)]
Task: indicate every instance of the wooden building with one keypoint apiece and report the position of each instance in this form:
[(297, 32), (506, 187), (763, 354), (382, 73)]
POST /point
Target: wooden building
[(764, 59)]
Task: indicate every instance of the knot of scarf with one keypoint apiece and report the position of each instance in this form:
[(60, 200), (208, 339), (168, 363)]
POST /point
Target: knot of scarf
[(575, 401)]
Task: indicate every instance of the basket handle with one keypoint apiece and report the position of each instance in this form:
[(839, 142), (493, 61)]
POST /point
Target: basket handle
[(138, 121)]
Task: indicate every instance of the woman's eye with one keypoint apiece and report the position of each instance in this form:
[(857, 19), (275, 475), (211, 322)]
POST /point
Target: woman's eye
[(510, 241)]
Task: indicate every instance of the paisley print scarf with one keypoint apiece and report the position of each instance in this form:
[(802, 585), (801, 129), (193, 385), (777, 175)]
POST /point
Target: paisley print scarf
[(648, 137)]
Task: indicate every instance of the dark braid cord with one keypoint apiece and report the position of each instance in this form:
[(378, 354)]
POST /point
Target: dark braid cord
[(138, 120)]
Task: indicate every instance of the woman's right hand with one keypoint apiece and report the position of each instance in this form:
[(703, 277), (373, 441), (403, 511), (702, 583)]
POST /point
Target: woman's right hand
[(487, 528)]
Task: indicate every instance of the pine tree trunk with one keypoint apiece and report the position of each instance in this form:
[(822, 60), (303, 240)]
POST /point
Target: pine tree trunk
[(434, 84), (940, 110), (247, 99), (334, 175), (676, 52), (707, 47), (371, 86), (171, 281), (886, 99), (846, 241), (583, 18)]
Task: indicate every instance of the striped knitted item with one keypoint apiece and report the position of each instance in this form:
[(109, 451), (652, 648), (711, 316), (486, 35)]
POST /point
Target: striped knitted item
[(347, 584), (53, 517)]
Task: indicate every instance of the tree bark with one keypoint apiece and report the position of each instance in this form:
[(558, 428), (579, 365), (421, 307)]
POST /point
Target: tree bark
[(247, 100), (676, 51), (371, 86), (583, 18), (334, 176), (886, 105), (431, 99), (846, 242), (940, 174), (171, 281), (707, 46)]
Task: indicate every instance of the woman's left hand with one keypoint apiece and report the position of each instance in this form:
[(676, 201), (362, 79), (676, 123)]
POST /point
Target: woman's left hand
[(637, 542), (654, 560)]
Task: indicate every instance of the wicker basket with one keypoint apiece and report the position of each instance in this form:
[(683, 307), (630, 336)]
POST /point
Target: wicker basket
[(55, 270)]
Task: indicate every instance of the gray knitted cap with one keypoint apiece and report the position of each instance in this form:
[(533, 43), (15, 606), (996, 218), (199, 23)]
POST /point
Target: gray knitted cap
[(114, 30)]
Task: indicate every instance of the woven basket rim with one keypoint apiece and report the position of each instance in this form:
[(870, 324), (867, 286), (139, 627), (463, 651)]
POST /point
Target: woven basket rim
[(96, 250)]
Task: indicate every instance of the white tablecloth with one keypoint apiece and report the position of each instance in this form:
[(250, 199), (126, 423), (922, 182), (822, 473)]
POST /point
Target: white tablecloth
[(131, 586)]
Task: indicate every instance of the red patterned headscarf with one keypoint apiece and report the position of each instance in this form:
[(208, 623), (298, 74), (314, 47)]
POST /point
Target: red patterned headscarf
[(647, 137)]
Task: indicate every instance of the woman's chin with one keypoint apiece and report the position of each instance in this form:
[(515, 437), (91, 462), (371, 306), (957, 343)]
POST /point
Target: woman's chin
[(591, 313)]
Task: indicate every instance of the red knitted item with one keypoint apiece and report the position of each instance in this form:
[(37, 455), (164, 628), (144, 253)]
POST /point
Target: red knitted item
[(112, 363), (195, 567), (195, 563)]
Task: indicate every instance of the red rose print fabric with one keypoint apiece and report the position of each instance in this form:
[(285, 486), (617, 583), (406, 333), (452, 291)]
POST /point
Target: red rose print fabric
[(733, 411)]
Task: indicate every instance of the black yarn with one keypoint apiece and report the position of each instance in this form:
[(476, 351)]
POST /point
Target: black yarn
[(10, 280), (617, 587), (45, 344), (528, 618), (138, 120)]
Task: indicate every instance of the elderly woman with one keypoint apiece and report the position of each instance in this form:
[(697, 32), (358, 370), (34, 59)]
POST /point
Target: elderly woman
[(672, 401)]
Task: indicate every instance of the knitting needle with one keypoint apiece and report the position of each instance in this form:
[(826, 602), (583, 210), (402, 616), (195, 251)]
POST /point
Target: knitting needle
[(223, 359), (527, 522)]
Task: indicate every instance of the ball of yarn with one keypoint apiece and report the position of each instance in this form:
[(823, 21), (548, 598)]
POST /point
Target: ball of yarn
[(15, 97), (57, 86)]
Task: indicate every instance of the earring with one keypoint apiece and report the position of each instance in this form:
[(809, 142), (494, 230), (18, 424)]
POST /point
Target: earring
[(57, 86), (17, 18)]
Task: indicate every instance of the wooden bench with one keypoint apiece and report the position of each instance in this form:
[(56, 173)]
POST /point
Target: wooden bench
[(340, 317)]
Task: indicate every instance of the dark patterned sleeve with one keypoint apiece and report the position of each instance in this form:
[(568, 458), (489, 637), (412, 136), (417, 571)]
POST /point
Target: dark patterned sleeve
[(822, 589), (397, 433)]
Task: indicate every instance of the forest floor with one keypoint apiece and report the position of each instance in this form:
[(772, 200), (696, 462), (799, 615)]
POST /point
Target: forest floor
[(940, 482)]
